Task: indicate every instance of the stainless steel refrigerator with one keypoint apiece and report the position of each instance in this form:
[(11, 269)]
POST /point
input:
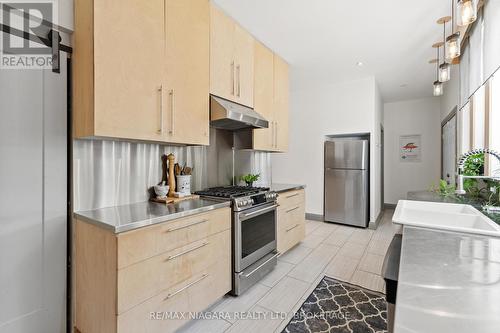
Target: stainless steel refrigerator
[(347, 179)]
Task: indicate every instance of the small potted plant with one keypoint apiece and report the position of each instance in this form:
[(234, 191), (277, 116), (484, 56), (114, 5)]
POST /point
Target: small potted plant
[(250, 179)]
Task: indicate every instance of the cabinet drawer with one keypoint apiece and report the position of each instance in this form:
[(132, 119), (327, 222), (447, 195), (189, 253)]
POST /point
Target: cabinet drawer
[(291, 198), (141, 244), (140, 281), (291, 226), (288, 238), (192, 295)]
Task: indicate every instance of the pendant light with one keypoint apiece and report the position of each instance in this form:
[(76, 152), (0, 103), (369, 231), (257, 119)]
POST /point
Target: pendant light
[(438, 86), (466, 12), (445, 67), (453, 41)]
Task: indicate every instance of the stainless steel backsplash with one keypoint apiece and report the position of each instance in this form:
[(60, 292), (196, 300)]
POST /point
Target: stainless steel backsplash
[(110, 173)]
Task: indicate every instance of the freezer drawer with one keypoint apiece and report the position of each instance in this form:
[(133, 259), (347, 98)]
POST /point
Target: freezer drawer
[(346, 154), (346, 196)]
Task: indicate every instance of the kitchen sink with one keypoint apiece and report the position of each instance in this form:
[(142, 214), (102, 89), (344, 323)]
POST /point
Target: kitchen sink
[(444, 216)]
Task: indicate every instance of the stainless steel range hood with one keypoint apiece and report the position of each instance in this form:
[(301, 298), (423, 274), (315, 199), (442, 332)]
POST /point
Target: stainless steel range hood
[(228, 115)]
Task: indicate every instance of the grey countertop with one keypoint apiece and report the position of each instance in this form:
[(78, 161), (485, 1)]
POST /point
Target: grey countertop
[(128, 217), (448, 282), (286, 187)]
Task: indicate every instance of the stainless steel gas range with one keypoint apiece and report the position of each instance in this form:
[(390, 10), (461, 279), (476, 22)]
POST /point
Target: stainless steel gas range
[(254, 232)]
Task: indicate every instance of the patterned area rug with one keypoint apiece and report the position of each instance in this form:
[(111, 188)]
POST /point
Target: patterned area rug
[(339, 307)]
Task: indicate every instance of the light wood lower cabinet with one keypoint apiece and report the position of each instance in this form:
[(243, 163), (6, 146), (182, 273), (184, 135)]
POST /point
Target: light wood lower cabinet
[(132, 281), (291, 219)]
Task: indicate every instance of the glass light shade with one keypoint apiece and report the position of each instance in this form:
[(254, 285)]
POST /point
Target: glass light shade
[(453, 46), (438, 88), (466, 12), (444, 72)]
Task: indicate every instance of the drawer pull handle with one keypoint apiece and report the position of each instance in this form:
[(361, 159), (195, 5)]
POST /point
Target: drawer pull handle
[(290, 229), (185, 252), (260, 266), (186, 226), (292, 195), (292, 209), (185, 287)]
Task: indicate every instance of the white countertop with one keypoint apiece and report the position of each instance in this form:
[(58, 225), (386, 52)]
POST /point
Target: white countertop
[(448, 282)]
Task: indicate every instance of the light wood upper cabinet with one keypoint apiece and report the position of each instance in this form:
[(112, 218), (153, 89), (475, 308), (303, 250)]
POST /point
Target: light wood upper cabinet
[(271, 100), (281, 95), (186, 118), (244, 66), (131, 77), (263, 138), (231, 59), (222, 66)]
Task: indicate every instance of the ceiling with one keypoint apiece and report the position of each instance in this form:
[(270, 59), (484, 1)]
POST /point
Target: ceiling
[(324, 39)]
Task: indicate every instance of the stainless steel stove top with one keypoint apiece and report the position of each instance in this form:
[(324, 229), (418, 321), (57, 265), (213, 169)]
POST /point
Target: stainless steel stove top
[(242, 197)]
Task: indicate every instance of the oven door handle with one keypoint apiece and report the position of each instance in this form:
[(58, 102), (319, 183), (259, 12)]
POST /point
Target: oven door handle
[(259, 211)]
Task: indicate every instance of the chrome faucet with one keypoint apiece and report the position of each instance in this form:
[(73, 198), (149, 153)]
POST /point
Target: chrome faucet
[(460, 168)]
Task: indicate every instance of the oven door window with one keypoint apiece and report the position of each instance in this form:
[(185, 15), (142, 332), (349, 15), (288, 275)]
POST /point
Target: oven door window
[(257, 232)]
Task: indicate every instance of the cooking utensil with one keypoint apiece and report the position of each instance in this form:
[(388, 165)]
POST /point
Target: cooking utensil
[(177, 169), (187, 170)]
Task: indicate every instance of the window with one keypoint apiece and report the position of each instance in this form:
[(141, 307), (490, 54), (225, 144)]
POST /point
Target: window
[(494, 122), (478, 118), (464, 129)]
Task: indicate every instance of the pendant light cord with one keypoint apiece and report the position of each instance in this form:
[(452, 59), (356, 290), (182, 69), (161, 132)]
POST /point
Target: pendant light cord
[(437, 65), (444, 42), (452, 17)]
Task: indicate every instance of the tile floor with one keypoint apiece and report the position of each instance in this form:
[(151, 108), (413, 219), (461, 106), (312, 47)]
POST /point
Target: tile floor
[(346, 253)]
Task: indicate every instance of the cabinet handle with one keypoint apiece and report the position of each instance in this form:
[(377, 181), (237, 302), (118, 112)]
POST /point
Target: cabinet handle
[(292, 195), (232, 78), (292, 209), (160, 128), (186, 226), (238, 70), (185, 287), (185, 252), (290, 229), (172, 110)]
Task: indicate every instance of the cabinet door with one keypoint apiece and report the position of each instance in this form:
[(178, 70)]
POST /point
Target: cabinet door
[(244, 68), (263, 96), (128, 68), (187, 72), (281, 103), (222, 65)]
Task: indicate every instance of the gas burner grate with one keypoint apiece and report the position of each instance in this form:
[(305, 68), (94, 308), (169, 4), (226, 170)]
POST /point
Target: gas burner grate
[(231, 191)]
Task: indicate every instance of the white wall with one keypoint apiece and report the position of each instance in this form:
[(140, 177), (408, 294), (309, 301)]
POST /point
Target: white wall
[(422, 117), (317, 110)]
